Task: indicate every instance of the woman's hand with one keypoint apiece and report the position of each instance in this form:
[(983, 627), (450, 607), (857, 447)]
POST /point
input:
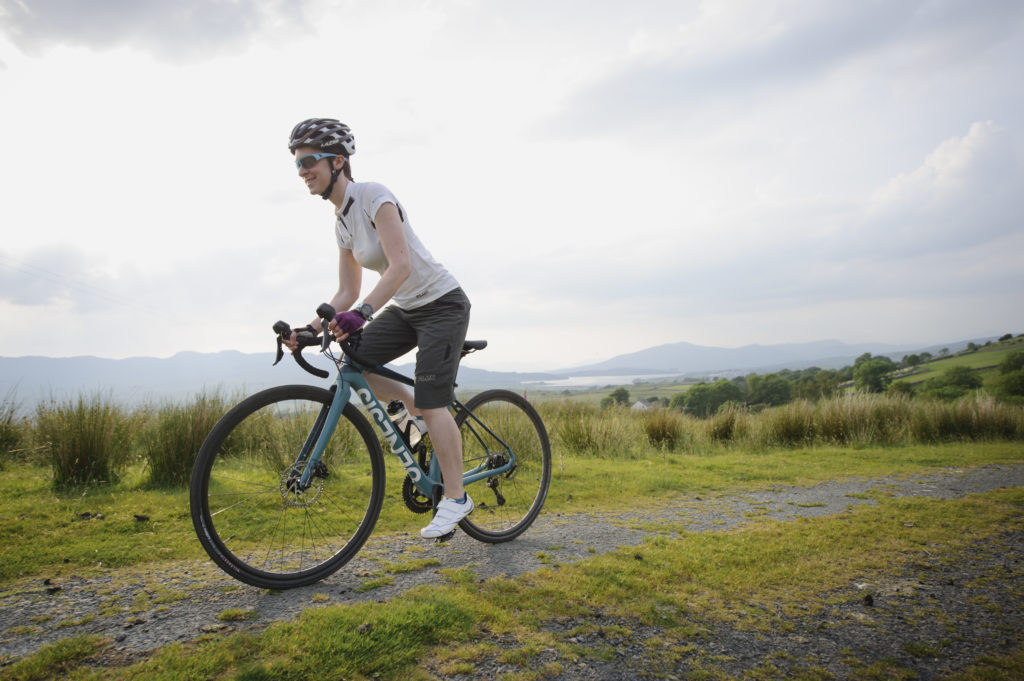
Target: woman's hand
[(292, 342), (345, 324)]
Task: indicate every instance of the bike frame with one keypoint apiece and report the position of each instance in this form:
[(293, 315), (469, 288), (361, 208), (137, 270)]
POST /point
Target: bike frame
[(352, 381)]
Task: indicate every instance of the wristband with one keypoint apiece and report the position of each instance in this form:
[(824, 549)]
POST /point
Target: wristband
[(365, 311)]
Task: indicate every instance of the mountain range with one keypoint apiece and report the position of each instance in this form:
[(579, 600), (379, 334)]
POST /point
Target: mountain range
[(29, 380)]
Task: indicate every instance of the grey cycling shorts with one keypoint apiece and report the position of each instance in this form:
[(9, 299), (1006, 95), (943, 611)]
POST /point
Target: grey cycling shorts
[(437, 329)]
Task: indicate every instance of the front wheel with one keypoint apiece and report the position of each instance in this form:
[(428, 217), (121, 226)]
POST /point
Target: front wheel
[(496, 426), (252, 515)]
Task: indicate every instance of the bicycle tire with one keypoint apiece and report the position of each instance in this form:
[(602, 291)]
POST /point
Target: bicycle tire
[(507, 503), (246, 509)]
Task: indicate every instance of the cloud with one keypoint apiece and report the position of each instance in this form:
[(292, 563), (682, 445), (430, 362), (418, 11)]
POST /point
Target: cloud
[(178, 30), (948, 226), (966, 193), (736, 53)]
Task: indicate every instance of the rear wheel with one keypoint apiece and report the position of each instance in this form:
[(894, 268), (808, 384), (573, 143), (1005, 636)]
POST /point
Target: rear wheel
[(505, 424), (252, 515)]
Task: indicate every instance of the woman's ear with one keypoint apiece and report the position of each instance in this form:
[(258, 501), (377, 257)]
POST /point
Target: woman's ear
[(339, 162)]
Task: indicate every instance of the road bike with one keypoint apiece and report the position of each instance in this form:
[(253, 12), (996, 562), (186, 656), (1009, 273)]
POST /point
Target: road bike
[(289, 483)]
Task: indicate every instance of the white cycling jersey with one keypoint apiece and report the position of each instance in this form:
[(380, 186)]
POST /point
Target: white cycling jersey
[(355, 231)]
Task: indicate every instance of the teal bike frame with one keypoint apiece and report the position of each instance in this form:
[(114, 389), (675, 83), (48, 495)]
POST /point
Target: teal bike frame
[(351, 380)]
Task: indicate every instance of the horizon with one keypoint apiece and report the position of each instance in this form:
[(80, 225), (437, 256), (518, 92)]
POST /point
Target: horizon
[(730, 172), (561, 368)]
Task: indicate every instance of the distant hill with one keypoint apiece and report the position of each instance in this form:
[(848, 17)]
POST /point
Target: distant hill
[(690, 359), (33, 379)]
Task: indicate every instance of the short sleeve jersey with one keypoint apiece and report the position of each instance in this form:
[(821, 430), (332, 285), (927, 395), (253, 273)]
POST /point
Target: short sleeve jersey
[(355, 231)]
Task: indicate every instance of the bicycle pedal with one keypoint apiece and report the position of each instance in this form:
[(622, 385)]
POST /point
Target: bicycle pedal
[(444, 537)]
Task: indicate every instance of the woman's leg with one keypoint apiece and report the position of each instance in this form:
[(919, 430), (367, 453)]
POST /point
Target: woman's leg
[(444, 434), (447, 441), (387, 389)]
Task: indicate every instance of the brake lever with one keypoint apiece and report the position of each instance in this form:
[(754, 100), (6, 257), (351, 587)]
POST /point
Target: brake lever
[(282, 329), (326, 312)]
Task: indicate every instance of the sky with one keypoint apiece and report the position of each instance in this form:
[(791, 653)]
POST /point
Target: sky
[(601, 177)]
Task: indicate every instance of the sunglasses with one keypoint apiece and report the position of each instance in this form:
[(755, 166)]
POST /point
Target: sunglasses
[(311, 160)]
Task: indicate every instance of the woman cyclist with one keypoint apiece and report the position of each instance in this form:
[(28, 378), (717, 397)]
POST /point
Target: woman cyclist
[(428, 310)]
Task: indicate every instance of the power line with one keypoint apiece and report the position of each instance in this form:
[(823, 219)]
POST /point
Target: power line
[(68, 282)]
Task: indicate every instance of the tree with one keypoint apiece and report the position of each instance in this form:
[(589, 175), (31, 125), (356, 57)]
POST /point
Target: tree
[(620, 396), (770, 389), (703, 400), (1010, 384), (696, 400), (1005, 337), (911, 360), (1012, 362), (901, 388), (872, 376), (816, 384), (953, 384)]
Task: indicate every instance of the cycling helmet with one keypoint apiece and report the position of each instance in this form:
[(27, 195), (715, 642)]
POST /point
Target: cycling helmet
[(327, 134)]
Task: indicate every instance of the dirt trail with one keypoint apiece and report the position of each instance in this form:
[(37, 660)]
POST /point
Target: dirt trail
[(141, 609)]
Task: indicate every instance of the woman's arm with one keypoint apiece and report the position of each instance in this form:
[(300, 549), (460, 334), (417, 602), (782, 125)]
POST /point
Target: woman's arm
[(396, 249), (350, 279)]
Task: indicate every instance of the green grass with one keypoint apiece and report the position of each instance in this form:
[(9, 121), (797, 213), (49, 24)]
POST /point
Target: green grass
[(43, 533), (756, 579), (982, 360), (603, 460)]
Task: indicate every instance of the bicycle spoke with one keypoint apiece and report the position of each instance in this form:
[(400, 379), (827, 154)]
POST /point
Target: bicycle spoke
[(501, 431), (248, 510)]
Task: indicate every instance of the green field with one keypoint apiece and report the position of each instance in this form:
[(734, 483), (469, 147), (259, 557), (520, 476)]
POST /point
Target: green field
[(604, 460), (984, 360), (767, 568)]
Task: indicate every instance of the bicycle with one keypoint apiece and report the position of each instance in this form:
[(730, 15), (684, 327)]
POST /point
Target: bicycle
[(288, 485)]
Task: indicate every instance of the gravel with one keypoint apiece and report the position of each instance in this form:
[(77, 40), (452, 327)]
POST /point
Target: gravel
[(925, 618)]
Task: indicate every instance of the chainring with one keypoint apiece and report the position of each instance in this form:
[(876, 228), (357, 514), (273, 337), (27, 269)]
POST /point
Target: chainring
[(414, 499)]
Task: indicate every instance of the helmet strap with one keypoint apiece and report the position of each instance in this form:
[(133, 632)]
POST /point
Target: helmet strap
[(330, 187)]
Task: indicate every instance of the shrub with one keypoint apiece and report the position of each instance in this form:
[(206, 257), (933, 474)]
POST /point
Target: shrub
[(85, 441), (664, 428), (791, 425), (11, 427), (901, 388), (173, 437), (842, 420), (729, 424), (586, 430)]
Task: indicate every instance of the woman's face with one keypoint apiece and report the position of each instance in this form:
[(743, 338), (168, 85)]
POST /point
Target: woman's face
[(318, 177)]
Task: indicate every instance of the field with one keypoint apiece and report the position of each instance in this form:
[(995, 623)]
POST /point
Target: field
[(607, 461), (984, 360)]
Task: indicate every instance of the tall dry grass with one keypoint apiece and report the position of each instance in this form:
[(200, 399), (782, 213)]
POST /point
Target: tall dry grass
[(173, 434), (85, 440), (858, 420), (93, 439)]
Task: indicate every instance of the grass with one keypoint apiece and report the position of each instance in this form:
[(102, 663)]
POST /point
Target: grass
[(982, 360), (43, 532), (49, 530), (87, 440), (753, 579)]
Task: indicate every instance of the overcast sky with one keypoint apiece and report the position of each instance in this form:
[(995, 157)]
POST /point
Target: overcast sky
[(601, 176)]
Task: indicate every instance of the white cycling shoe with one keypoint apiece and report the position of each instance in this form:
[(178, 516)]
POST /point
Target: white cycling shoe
[(449, 513)]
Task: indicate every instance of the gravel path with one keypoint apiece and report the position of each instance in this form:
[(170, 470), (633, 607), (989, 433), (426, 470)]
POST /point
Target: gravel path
[(141, 609)]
